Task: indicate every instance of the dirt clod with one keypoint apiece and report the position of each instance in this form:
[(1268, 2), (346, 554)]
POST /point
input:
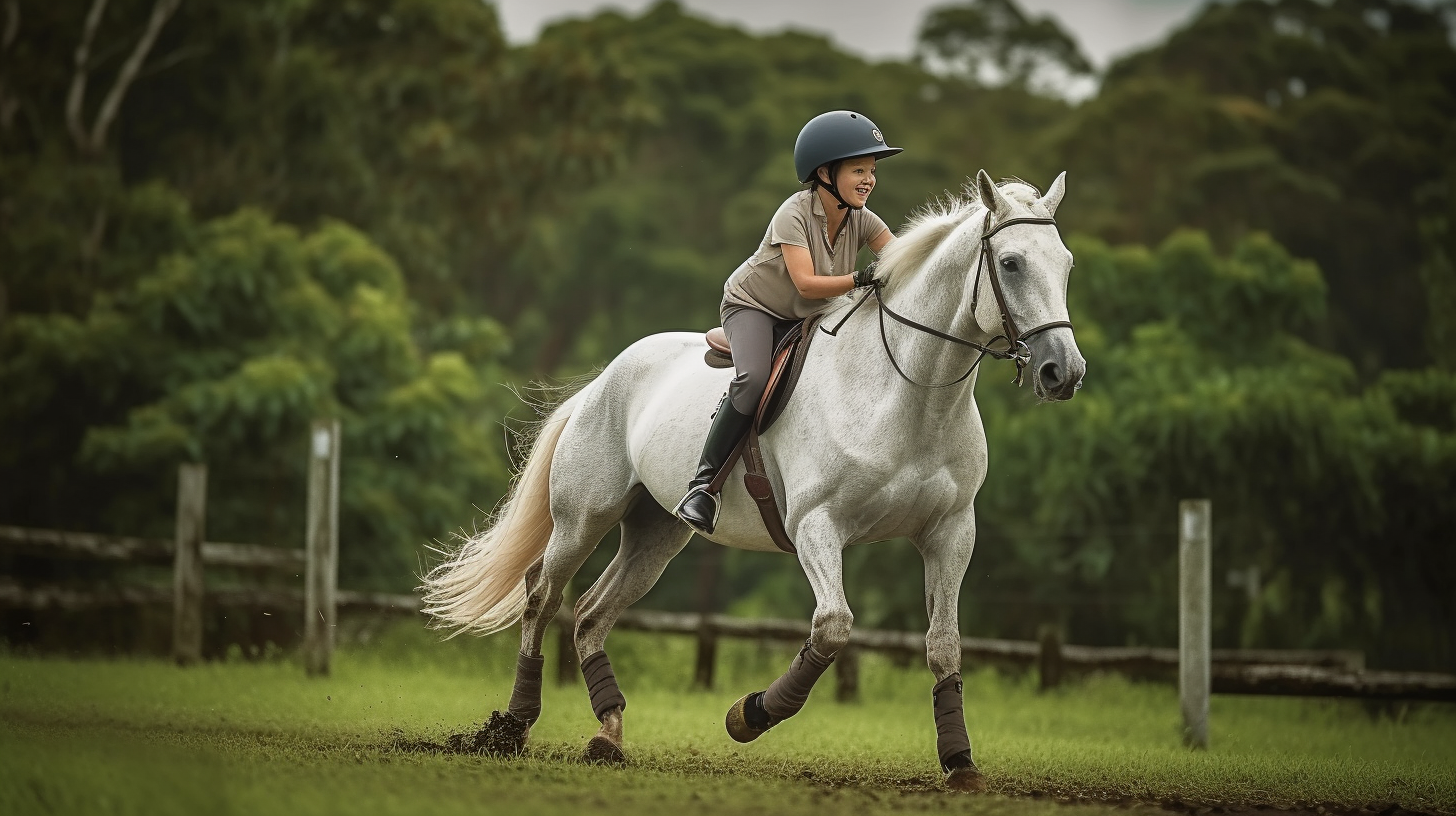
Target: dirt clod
[(504, 734)]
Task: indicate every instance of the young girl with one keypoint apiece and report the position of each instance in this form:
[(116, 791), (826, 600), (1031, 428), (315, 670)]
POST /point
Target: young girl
[(805, 260)]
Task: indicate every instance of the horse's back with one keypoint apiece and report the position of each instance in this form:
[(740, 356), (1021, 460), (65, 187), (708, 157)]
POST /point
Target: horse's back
[(642, 415)]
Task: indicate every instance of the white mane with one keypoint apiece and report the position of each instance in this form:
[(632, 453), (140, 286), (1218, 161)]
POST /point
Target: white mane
[(930, 225)]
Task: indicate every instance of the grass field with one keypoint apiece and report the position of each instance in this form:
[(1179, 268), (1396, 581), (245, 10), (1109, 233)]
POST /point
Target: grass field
[(141, 736)]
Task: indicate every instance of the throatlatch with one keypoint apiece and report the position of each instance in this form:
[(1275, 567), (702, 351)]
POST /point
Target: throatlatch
[(602, 684), (526, 696), (952, 743)]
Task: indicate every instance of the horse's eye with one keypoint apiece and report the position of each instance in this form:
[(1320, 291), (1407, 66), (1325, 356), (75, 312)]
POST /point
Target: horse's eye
[(1009, 264)]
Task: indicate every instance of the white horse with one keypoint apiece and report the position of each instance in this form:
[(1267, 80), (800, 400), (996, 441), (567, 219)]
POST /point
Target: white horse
[(860, 454)]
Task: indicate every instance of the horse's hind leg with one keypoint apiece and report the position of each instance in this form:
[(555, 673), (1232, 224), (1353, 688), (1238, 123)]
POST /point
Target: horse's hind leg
[(573, 538), (651, 536)]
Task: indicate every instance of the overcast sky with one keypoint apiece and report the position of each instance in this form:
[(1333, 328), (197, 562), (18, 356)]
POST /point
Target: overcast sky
[(883, 29)]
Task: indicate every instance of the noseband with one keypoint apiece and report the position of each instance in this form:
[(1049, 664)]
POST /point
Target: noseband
[(1015, 350)]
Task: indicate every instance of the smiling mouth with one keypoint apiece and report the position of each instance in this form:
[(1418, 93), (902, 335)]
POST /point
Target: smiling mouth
[(863, 191)]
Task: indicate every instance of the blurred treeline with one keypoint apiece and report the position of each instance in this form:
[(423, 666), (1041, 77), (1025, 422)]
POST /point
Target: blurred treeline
[(221, 220)]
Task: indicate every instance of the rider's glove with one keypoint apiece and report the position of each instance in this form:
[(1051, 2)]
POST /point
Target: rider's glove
[(866, 276)]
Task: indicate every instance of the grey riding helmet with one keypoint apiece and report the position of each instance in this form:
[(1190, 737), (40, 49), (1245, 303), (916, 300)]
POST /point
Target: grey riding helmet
[(836, 136)]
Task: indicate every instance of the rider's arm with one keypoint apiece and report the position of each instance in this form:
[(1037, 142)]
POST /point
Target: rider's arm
[(810, 285), (881, 241)]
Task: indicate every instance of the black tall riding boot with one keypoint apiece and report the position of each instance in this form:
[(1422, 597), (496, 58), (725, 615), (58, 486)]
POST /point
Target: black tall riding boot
[(699, 508)]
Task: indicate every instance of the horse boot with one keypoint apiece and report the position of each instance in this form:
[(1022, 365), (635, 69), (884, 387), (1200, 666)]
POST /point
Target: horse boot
[(699, 508)]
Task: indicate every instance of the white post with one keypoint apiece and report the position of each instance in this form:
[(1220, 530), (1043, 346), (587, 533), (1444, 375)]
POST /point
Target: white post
[(1194, 616), (321, 541)]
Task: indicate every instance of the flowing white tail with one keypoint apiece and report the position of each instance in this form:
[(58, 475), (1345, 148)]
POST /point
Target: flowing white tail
[(481, 587)]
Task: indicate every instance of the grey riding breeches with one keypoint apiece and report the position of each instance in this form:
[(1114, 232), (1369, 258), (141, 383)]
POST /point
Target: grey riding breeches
[(752, 335)]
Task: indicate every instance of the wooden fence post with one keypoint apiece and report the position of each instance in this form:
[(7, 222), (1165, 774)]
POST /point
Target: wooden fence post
[(707, 655), (568, 668), (321, 542), (187, 563), (846, 675), (711, 556), (1194, 617), (1049, 656)]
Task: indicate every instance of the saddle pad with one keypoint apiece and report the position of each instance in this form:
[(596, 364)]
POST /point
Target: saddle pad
[(717, 359)]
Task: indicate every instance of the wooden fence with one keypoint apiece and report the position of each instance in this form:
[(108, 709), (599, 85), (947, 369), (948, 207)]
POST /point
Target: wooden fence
[(190, 554), (1326, 673), (1339, 673)]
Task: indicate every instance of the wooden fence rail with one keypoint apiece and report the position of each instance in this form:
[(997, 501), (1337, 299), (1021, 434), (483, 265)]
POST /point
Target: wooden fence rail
[(66, 544), (67, 599), (1309, 673)]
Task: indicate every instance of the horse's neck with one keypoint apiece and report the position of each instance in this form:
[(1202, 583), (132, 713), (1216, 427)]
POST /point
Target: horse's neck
[(863, 372), (937, 296)]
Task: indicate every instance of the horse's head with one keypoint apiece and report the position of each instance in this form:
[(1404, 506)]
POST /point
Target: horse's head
[(1028, 264)]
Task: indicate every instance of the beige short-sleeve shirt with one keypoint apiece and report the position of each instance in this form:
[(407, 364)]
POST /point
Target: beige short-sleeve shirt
[(762, 282)]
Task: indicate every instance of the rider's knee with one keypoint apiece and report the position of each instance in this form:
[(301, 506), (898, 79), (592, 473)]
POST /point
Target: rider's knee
[(746, 390)]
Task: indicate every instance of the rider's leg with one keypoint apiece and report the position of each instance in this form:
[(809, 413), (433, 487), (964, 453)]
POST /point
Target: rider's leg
[(751, 336)]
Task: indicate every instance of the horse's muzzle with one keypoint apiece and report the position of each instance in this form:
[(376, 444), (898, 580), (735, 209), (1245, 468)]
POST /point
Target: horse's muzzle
[(1057, 365)]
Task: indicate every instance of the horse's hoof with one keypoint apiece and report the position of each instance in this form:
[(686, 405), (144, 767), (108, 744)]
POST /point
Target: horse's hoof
[(966, 779), (504, 735), (737, 722), (602, 751)]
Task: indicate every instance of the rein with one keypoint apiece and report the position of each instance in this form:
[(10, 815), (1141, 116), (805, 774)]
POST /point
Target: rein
[(1016, 349)]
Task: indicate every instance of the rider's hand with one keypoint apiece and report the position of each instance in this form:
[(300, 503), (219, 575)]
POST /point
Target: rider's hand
[(866, 276)]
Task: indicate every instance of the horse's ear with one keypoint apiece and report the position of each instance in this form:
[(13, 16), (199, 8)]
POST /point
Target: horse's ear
[(1054, 195), (990, 195)]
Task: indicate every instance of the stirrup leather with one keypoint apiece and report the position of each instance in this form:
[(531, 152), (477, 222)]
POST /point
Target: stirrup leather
[(717, 508)]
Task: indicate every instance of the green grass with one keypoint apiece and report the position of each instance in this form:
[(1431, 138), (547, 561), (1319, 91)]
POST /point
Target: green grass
[(140, 736)]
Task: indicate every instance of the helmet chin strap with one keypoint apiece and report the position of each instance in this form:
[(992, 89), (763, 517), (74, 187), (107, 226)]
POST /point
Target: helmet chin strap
[(833, 186)]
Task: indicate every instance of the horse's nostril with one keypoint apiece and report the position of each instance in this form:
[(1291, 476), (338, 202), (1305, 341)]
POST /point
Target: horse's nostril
[(1051, 376)]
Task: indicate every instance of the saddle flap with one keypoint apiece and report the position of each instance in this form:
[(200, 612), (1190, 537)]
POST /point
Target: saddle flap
[(788, 364)]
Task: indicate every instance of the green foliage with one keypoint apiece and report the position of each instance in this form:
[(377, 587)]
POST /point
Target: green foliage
[(1327, 125), (648, 250), (998, 33), (412, 120), (225, 352), (1199, 386)]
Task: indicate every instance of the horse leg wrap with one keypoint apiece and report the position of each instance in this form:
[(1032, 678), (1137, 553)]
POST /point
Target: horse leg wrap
[(952, 743), (602, 684), (526, 696), (786, 695)]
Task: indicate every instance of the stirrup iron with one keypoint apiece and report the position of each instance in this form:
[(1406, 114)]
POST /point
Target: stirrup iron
[(717, 508)]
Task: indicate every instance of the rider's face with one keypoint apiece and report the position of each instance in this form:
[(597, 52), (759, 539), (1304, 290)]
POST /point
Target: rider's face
[(856, 180)]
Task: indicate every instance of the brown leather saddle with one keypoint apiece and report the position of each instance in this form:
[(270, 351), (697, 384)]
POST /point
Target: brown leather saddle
[(790, 350)]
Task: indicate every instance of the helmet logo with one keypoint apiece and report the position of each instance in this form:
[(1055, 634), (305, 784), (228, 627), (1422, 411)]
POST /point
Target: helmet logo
[(879, 137)]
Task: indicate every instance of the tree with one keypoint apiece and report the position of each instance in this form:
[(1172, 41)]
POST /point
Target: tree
[(987, 39), (414, 121), (648, 248), (1199, 386), (223, 352), (1325, 124)]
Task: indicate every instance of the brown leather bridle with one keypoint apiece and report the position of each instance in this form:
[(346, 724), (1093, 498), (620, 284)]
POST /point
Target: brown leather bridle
[(1016, 349)]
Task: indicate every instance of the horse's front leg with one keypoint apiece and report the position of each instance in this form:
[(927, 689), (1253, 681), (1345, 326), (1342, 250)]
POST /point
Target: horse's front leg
[(821, 554), (947, 554)]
